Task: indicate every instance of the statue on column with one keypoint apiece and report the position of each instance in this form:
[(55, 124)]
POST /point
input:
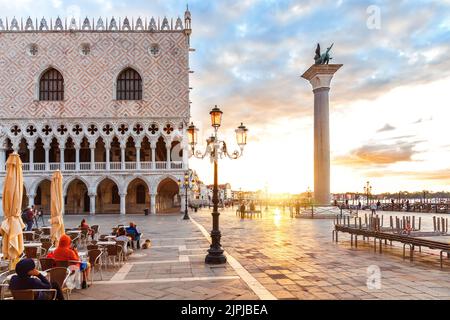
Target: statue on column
[(322, 58)]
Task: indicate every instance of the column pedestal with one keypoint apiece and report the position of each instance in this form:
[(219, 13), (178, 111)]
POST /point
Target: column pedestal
[(123, 203), (320, 78), (153, 203), (92, 204)]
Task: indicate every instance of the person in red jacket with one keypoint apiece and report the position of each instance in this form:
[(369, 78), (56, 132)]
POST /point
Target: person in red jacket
[(64, 252)]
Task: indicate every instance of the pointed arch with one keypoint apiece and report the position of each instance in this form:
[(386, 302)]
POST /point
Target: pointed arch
[(51, 85), (129, 85)]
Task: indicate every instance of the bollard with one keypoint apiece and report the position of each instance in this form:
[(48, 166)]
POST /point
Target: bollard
[(391, 222), (414, 223), (360, 222), (446, 225), (434, 224), (420, 222), (365, 219), (438, 224), (442, 225), (382, 220)]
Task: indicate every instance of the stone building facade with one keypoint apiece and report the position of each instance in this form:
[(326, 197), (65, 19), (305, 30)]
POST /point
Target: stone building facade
[(106, 102)]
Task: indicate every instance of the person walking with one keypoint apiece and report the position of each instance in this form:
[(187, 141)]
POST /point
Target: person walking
[(373, 208)]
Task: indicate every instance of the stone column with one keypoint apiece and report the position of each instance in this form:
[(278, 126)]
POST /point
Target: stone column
[(92, 203), (320, 78), (168, 147), (152, 203), (92, 156), (31, 152), (77, 158), (185, 156), (31, 200), (183, 200), (2, 159), (108, 150), (122, 154), (61, 159), (47, 157), (123, 197), (138, 158), (153, 147)]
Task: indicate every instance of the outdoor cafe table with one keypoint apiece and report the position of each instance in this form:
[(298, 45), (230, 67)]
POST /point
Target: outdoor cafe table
[(73, 231), (32, 244), (105, 243), (110, 237)]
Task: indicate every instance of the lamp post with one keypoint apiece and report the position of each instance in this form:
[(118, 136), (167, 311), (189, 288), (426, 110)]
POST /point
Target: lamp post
[(216, 149), (187, 184), (367, 191)]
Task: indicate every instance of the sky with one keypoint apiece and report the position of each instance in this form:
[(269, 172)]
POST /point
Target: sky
[(389, 103)]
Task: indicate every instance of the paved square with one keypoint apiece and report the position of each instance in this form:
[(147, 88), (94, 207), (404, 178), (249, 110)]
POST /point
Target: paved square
[(273, 257)]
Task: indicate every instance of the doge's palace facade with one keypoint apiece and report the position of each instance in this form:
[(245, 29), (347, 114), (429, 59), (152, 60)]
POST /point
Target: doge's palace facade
[(105, 101)]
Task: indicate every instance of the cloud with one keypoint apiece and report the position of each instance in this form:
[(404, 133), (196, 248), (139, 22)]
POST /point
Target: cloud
[(441, 175), (387, 127), (377, 154)]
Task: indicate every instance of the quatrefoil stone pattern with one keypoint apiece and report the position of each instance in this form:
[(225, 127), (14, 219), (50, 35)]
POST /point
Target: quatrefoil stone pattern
[(89, 89)]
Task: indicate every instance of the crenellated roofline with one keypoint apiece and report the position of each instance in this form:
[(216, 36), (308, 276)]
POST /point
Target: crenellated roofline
[(98, 25)]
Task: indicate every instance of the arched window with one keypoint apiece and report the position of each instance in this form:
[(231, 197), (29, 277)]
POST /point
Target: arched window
[(129, 85), (115, 199), (140, 194), (51, 86)]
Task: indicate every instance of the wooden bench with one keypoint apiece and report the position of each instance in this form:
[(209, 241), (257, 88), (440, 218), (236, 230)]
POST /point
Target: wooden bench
[(248, 213), (406, 240)]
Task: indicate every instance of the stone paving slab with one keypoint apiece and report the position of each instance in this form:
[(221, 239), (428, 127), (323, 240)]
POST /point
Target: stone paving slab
[(296, 257), (290, 258), (172, 269)]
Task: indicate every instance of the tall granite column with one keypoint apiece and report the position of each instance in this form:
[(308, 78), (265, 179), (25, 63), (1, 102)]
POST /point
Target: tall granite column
[(320, 78)]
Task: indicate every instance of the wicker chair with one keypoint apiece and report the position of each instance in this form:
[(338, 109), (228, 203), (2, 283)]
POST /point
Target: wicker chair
[(113, 251), (95, 228), (60, 275), (91, 247), (29, 237), (95, 261), (31, 294), (4, 283), (46, 263)]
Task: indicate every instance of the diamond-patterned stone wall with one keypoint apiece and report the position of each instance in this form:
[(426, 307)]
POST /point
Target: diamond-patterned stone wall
[(89, 80)]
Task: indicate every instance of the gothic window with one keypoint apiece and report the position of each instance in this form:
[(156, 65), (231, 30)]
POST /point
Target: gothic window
[(51, 86), (129, 85), (140, 194)]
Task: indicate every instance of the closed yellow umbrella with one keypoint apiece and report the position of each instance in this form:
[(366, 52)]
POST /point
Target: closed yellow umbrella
[(56, 207), (12, 225)]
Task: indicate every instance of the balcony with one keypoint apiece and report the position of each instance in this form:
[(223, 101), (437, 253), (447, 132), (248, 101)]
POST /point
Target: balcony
[(102, 166)]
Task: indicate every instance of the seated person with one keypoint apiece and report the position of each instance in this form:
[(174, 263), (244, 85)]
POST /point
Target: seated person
[(65, 252), (134, 234), (85, 226), (121, 236), (28, 277)]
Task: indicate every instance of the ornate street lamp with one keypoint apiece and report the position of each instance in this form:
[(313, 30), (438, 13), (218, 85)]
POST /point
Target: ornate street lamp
[(367, 191), (216, 149), (187, 184)]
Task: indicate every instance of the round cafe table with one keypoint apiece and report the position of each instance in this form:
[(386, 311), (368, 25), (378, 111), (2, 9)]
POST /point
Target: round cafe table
[(32, 244), (105, 243), (73, 231), (110, 237)]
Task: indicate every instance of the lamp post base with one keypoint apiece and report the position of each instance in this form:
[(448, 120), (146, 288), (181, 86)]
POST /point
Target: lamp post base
[(186, 216), (215, 252), (215, 256)]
